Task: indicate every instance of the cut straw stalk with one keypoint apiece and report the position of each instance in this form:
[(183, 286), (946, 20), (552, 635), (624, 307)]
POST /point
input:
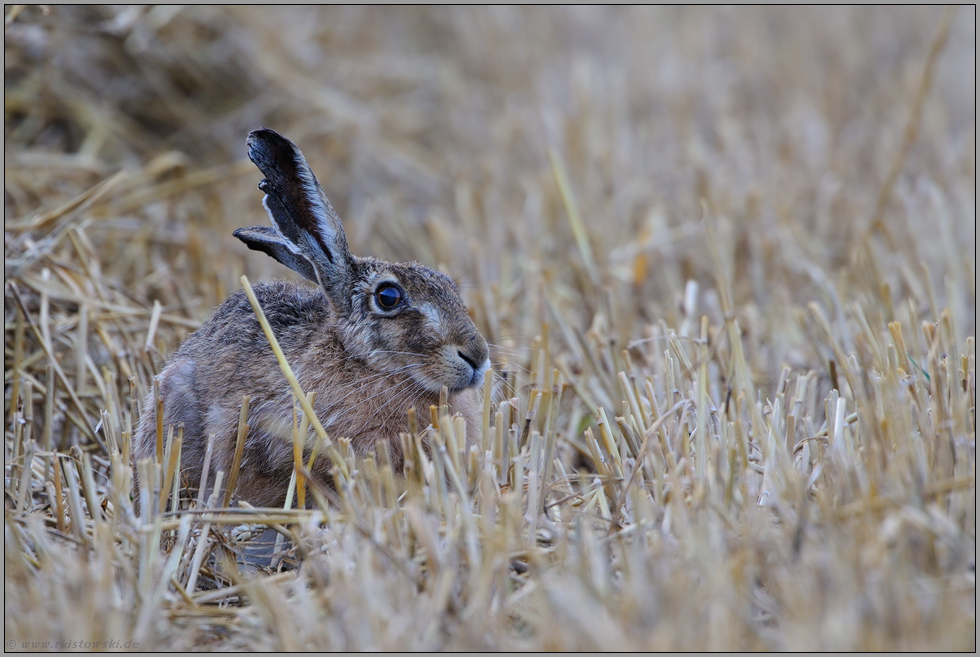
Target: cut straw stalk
[(908, 136), (239, 450), (284, 364), (204, 538), (84, 425), (574, 218)]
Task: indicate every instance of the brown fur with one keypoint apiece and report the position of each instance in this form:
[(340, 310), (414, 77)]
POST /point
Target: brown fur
[(368, 366)]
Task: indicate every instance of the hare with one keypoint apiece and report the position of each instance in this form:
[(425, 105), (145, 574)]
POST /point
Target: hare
[(372, 339)]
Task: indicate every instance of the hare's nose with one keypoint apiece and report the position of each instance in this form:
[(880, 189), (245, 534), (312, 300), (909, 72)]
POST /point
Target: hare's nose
[(474, 352), (469, 360), (478, 363)]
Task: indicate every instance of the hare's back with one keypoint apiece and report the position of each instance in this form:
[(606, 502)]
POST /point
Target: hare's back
[(230, 353), (293, 311)]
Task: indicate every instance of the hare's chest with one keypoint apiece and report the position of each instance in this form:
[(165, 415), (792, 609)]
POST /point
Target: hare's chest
[(351, 401)]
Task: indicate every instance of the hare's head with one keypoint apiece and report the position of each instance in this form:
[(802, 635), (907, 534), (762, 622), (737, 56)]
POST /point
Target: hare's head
[(395, 317)]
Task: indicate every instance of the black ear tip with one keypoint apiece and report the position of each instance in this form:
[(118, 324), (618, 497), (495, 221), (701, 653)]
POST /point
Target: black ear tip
[(253, 137), (269, 150), (260, 133), (266, 137)]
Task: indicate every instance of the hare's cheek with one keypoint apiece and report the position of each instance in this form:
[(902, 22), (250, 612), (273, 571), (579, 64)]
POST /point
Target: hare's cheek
[(362, 339), (418, 342), (429, 319), (407, 334)]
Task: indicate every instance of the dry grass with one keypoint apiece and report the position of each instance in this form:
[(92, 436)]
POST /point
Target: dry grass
[(726, 258)]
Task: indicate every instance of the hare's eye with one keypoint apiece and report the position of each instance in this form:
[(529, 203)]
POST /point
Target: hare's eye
[(388, 296)]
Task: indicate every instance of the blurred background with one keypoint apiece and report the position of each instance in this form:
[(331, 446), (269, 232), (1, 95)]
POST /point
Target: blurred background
[(430, 130)]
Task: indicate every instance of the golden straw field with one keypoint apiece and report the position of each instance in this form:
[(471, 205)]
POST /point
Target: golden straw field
[(725, 260)]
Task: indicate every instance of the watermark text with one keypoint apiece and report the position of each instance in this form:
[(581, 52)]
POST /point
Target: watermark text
[(112, 644)]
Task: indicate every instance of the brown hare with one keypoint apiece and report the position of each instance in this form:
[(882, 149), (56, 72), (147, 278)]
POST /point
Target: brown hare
[(372, 339)]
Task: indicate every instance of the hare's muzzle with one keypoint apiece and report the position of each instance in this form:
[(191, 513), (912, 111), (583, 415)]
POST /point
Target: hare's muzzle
[(468, 363), (479, 368)]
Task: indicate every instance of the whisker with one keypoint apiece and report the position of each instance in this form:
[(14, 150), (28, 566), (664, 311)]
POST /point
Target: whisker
[(415, 391), (371, 378), (391, 389), (521, 380), (516, 337), (375, 378), (361, 354)]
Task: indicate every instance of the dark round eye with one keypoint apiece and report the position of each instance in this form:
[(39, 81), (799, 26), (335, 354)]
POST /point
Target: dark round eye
[(388, 296)]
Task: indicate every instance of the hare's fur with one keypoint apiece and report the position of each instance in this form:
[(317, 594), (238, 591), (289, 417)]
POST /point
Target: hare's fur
[(367, 365)]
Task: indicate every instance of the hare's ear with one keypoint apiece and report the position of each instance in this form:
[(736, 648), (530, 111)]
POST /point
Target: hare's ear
[(303, 216), (268, 240)]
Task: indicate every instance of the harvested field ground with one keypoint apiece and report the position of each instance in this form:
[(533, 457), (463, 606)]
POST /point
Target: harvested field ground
[(725, 259)]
